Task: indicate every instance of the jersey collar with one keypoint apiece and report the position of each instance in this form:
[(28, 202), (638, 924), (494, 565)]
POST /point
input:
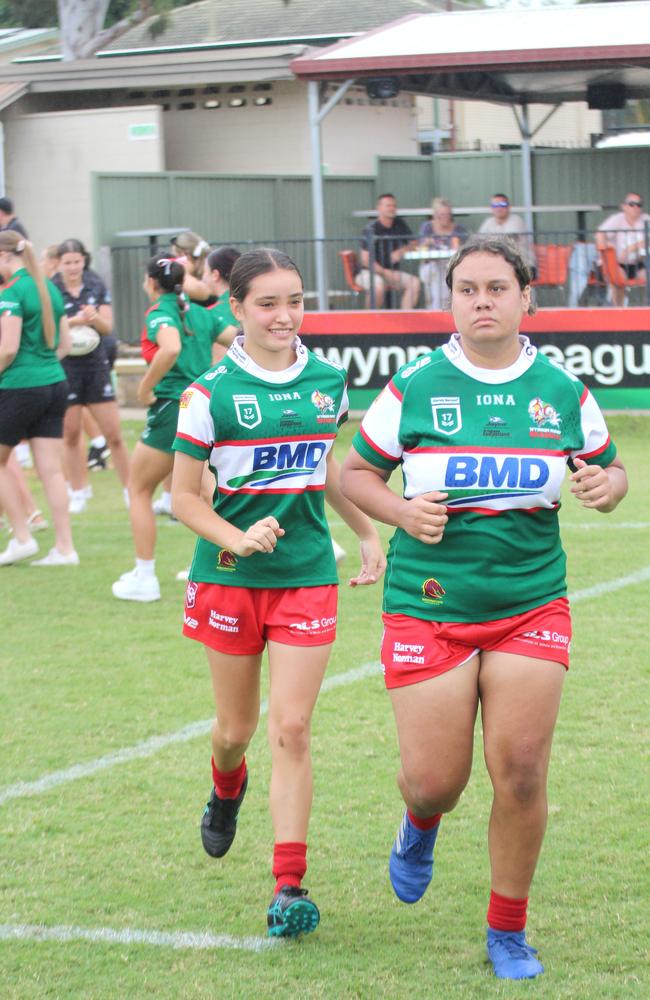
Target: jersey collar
[(244, 360), (493, 376)]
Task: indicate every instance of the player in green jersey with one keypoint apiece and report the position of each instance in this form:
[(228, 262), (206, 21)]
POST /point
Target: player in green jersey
[(263, 572), (33, 395), (177, 341), (475, 607)]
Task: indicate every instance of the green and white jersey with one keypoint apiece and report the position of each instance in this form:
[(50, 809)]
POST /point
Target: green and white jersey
[(266, 436), (202, 329), (497, 442), (35, 363)]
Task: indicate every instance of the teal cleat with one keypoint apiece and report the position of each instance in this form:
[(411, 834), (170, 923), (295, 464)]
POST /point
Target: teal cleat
[(291, 913)]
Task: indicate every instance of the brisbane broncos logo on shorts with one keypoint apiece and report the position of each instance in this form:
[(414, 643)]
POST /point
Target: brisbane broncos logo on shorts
[(432, 591), (226, 559)]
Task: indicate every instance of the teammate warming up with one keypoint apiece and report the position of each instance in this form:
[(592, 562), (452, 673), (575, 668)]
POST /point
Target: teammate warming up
[(475, 606), (177, 339), (263, 572)]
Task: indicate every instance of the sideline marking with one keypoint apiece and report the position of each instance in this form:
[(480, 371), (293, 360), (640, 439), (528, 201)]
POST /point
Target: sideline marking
[(596, 526), (64, 934), (598, 589), (147, 748), (155, 743)]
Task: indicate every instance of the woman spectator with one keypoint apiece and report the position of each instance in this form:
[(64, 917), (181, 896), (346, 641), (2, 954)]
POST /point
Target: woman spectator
[(439, 234)]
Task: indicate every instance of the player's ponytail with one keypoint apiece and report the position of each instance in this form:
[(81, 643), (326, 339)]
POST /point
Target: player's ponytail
[(169, 275), (14, 243)]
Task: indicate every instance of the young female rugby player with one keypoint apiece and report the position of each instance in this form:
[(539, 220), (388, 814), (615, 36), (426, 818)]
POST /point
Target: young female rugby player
[(264, 573), (475, 606)]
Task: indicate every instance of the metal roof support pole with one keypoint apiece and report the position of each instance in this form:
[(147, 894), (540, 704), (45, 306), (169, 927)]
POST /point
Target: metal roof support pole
[(316, 115), (526, 165)]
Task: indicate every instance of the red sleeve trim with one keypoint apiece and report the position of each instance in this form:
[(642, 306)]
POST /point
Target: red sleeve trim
[(201, 388), (598, 451), (375, 447), (395, 391), (193, 440), (585, 394)]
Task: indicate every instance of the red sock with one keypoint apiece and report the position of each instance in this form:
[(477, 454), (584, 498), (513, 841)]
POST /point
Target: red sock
[(227, 784), (505, 913), (289, 864), (426, 823)]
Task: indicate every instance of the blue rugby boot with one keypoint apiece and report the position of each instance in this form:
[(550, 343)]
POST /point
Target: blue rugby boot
[(291, 913), (511, 956), (411, 860)]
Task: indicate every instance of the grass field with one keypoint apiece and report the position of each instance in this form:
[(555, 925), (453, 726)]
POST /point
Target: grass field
[(102, 870)]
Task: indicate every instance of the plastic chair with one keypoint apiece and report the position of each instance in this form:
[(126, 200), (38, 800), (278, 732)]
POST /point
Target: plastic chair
[(614, 273), (552, 261), (350, 268)]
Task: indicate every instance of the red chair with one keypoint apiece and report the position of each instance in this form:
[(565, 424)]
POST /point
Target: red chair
[(552, 262), (350, 268), (614, 273)]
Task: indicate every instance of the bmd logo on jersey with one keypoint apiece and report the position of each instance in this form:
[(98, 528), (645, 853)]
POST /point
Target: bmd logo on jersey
[(272, 463), (446, 414), (248, 411), (493, 476)]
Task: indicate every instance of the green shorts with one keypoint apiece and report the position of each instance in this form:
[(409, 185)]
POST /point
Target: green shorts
[(160, 431)]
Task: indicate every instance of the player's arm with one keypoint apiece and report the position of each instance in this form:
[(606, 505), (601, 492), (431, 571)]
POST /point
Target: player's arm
[(366, 485), (599, 488), (373, 560), (11, 328), (65, 339), (169, 348), (191, 508)]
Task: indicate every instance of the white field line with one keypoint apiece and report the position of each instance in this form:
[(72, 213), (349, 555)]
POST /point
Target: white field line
[(64, 934), (147, 748), (605, 525), (609, 586)]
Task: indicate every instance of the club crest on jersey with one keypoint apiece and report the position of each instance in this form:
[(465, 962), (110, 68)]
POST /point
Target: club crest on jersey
[(447, 417), (226, 559), (325, 406), (545, 418), (248, 411), (432, 591)]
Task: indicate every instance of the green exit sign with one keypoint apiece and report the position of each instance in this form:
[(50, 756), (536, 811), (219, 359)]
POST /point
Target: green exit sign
[(149, 130)]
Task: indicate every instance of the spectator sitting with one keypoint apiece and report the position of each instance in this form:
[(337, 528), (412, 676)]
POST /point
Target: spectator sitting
[(440, 233), (503, 223), (388, 238), (8, 220), (625, 231)]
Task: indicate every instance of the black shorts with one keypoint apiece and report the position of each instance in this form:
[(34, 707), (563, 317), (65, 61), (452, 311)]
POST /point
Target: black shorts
[(88, 382), (632, 269), (36, 412)]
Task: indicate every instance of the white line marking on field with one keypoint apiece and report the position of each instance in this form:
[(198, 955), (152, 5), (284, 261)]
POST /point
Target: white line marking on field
[(610, 585), (606, 525), (147, 748), (155, 743), (63, 934)]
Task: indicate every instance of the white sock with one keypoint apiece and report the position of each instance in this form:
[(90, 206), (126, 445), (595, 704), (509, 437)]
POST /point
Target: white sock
[(99, 441), (166, 498), (127, 499), (146, 567)]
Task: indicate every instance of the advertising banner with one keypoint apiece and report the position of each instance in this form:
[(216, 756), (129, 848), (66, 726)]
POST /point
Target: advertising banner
[(608, 349)]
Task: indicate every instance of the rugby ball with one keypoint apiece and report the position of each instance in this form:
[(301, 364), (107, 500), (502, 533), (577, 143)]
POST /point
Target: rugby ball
[(84, 340)]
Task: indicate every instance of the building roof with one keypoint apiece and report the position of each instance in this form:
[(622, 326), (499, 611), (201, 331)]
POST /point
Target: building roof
[(224, 22), (547, 55)]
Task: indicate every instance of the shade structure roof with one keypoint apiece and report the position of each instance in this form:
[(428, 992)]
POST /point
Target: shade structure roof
[(549, 55)]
